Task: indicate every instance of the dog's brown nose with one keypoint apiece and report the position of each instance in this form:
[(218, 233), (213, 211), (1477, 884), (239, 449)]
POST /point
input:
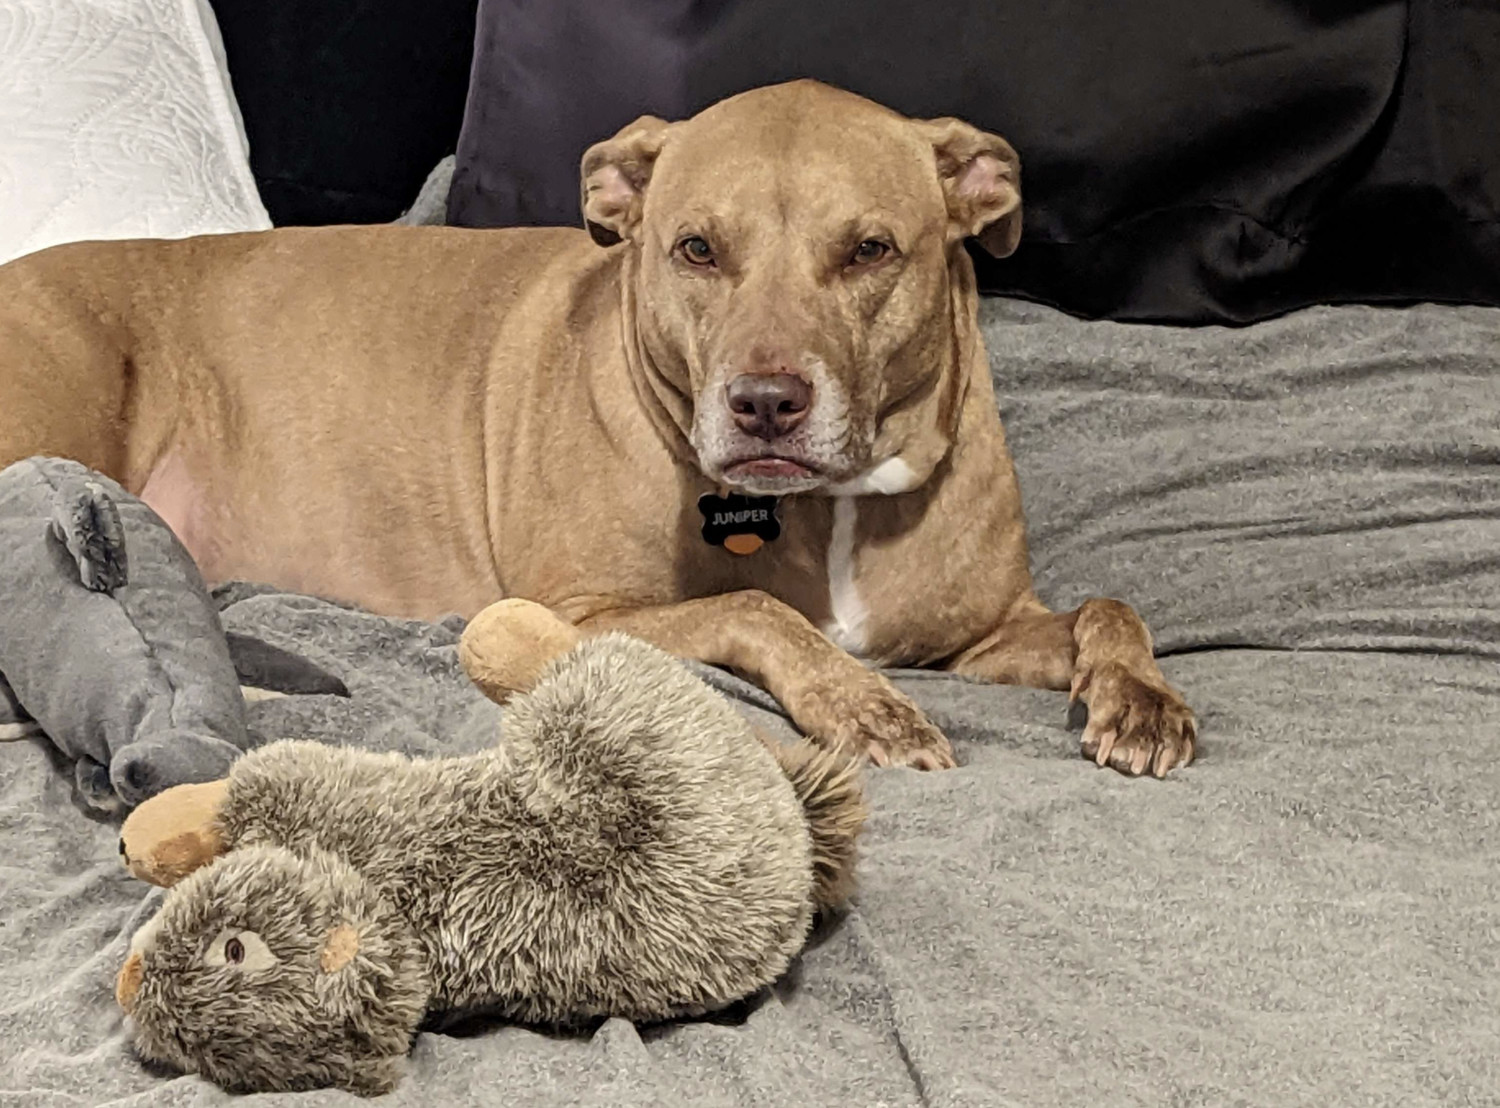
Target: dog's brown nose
[(769, 405)]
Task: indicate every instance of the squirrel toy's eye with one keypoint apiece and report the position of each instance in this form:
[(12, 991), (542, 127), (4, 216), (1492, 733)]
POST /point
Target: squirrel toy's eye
[(241, 948), (696, 250), (868, 252)]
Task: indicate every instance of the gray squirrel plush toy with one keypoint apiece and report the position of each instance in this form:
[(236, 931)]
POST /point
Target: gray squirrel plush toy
[(111, 645), (630, 847)]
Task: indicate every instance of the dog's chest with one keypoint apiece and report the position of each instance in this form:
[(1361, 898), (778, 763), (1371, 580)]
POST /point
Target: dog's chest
[(890, 596), (886, 588), (848, 621)]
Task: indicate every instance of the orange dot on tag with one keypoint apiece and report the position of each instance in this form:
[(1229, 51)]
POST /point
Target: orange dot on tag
[(743, 544)]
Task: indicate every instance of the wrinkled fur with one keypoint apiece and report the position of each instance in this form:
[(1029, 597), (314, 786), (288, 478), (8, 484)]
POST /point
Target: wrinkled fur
[(629, 849)]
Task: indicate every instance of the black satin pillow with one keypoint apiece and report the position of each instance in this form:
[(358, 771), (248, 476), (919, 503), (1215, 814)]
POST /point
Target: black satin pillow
[(348, 104), (1183, 160)]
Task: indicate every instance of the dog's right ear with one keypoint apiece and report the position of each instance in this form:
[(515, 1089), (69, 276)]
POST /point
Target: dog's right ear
[(615, 174), (981, 178)]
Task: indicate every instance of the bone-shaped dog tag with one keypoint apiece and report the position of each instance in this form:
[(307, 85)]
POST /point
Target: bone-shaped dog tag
[(740, 524)]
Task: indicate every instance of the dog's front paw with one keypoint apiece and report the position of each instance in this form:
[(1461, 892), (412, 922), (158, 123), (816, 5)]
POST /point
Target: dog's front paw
[(1134, 726), (877, 719)]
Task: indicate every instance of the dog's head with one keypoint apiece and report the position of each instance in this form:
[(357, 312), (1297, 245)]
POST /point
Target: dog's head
[(795, 254)]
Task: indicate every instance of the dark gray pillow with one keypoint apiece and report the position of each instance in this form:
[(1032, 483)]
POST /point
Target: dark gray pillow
[(1183, 160)]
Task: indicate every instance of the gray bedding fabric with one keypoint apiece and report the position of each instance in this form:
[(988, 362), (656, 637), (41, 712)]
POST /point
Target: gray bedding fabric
[(1308, 512)]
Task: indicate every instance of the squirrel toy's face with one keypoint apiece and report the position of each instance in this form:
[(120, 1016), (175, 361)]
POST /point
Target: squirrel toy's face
[(267, 971)]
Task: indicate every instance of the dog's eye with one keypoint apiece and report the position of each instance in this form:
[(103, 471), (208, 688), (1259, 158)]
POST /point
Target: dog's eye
[(696, 250), (869, 252), (234, 951)]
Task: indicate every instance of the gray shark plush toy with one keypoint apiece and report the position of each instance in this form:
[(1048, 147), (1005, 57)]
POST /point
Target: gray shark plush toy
[(109, 641), (629, 848)]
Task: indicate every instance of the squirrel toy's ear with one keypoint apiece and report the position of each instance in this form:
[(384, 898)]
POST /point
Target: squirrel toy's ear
[(340, 946), (174, 833), (506, 647)]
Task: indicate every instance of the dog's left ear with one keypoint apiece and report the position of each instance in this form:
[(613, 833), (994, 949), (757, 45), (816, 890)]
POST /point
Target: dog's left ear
[(981, 178), (615, 174)]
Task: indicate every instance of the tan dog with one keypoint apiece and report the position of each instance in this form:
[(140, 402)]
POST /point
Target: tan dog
[(421, 420)]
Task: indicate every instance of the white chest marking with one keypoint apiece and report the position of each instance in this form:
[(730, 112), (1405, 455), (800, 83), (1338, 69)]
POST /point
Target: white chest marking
[(888, 478), (846, 624)]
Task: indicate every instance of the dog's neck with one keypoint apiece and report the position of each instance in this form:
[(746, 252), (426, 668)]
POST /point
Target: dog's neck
[(667, 406), (921, 431), (914, 439)]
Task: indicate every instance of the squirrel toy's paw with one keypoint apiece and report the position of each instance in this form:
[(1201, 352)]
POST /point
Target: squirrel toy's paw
[(174, 833), (506, 647)]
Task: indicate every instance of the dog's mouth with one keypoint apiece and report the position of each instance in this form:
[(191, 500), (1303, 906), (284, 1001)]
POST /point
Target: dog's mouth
[(771, 475), (770, 468)]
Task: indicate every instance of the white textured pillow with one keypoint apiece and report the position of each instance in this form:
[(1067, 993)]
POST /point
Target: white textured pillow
[(117, 121)]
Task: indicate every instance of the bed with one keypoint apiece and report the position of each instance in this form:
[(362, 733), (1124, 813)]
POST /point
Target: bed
[(1306, 511)]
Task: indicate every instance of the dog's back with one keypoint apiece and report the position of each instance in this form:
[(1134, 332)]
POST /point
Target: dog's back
[(252, 386)]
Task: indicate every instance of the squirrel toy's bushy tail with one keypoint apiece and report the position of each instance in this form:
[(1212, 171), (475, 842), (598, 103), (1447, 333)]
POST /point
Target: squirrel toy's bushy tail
[(827, 782)]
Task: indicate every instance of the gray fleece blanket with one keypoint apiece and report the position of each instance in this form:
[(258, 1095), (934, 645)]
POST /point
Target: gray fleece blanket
[(1307, 512)]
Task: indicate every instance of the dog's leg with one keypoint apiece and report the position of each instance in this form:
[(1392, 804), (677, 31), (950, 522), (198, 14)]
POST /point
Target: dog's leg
[(830, 696), (1101, 653)]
